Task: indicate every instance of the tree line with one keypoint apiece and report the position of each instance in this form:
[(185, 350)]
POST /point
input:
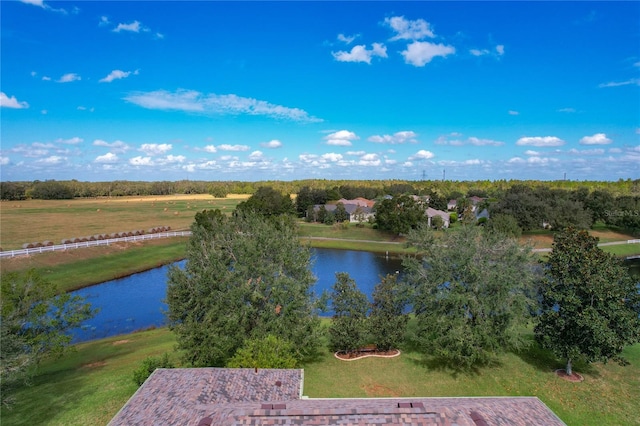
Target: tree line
[(333, 189)]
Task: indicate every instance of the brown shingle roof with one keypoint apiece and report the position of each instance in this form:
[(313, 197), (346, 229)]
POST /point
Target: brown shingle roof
[(220, 396)]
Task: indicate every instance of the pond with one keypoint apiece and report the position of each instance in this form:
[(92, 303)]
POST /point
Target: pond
[(136, 302)]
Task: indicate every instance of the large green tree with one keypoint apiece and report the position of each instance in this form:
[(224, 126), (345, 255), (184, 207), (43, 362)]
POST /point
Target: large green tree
[(471, 293), (246, 277), (590, 304), (348, 330), (268, 202), (400, 214), (34, 324)]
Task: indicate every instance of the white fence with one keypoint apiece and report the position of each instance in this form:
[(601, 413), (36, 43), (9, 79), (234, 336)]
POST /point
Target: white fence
[(105, 242)]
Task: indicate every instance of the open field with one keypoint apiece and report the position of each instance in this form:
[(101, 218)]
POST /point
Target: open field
[(53, 220), (90, 385)]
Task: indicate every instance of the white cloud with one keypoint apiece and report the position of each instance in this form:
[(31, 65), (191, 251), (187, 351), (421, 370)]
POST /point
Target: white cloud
[(72, 141), (108, 158), (171, 159), (483, 142), (341, 138), (632, 81), (530, 152), (512, 112), (104, 20), (406, 29), (396, 138), (597, 139), (500, 49), (226, 147), (567, 110), (540, 141), (11, 102), (422, 155), (476, 52), (360, 53), (134, 27), (46, 78), (347, 39), (442, 140), (210, 148), (53, 160), (193, 101), (332, 156), (420, 53), (155, 149), (4, 160), (42, 4), (68, 78), (369, 160), (272, 144), (357, 153), (118, 146), (141, 161), (117, 75), (574, 151), (256, 155)]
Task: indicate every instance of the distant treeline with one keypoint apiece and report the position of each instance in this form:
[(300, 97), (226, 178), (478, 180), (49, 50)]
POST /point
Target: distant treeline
[(334, 189)]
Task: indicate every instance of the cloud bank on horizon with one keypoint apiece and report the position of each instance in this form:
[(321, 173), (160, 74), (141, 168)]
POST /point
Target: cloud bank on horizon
[(336, 90)]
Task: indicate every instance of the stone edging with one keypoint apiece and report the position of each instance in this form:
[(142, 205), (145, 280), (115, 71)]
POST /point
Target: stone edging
[(368, 355)]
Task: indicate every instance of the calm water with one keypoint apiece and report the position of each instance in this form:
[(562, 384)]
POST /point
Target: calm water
[(136, 302)]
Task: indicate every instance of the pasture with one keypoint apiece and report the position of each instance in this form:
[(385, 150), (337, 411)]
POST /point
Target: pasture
[(31, 221)]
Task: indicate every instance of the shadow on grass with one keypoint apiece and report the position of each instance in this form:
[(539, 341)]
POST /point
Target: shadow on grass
[(545, 361), (449, 367)]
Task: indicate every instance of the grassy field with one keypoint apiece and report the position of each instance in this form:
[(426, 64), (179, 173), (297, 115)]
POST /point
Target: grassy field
[(32, 221), (90, 385)]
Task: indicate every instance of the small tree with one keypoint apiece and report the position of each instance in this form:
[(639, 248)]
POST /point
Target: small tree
[(340, 213), (348, 329), (590, 303), (34, 324), (388, 321), (149, 365), (437, 222)]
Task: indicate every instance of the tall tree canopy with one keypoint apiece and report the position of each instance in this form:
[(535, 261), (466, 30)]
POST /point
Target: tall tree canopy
[(471, 293), (34, 324), (246, 277), (590, 303), (400, 214), (268, 202)]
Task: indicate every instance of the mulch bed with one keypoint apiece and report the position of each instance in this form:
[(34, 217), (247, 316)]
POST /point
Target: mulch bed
[(365, 353), (574, 377)]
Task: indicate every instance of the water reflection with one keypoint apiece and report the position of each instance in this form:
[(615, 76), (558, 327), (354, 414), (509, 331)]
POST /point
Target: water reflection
[(136, 302)]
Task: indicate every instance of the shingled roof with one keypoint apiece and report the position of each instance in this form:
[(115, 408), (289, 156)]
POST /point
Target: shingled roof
[(225, 396)]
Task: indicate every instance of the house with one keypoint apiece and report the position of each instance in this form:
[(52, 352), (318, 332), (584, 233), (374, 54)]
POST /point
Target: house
[(355, 212), (229, 396), (431, 212), (452, 205), (360, 201)]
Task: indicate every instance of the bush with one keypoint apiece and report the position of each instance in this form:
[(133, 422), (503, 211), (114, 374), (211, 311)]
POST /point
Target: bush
[(268, 352), (149, 365)]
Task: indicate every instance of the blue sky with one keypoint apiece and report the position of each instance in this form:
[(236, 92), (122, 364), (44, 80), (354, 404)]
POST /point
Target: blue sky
[(155, 90)]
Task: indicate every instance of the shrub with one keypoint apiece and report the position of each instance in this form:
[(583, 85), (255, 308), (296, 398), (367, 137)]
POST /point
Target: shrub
[(149, 365), (268, 352)]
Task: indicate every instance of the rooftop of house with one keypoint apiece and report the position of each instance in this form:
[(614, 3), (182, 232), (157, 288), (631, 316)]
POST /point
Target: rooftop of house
[(227, 396)]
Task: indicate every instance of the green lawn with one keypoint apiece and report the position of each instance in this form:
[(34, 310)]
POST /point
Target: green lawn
[(90, 385)]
